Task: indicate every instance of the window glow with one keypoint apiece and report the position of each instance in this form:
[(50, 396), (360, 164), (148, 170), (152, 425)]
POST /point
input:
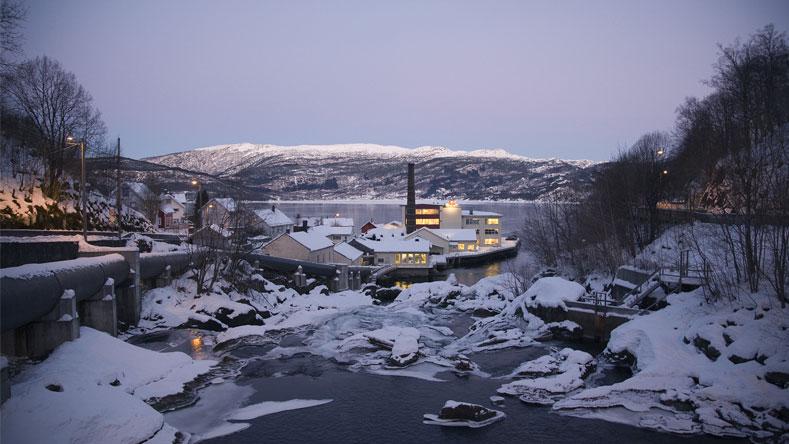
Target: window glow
[(491, 241), (426, 211), (493, 221), (430, 221), (461, 246)]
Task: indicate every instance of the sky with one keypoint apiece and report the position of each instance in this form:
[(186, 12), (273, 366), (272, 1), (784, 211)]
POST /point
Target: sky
[(567, 79)]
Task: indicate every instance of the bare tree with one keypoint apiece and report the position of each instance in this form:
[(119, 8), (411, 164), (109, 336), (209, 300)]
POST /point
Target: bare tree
[(12, 14), (57, 106)]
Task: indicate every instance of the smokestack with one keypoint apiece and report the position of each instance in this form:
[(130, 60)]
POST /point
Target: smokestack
[(410, 203)]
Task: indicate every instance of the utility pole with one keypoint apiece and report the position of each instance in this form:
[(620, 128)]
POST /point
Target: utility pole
[(84, 188), (118, 207)]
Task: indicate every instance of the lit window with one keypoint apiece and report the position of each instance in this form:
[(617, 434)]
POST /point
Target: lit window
[(461, 246), (426, 211), (472, 247), (431, 221), (491, 241), (493, 221)]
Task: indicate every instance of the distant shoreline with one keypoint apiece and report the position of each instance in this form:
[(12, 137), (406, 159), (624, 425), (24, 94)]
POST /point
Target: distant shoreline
[(388, 201)]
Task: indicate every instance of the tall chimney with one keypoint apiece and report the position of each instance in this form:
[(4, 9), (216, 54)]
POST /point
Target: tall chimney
[(410, 203)]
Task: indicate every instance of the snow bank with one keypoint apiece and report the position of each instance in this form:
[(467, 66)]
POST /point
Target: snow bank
[(93, 390), (552, 292), (718, 369)]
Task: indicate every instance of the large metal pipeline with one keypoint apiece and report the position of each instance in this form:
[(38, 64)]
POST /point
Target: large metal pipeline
[(290, 265), (154, 264), (30, 291)]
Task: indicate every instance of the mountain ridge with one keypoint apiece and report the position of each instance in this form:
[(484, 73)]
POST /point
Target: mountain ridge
[(370, 171)]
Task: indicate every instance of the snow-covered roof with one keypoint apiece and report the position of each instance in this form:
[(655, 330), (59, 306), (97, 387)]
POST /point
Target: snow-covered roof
[(480, 213), (180, 197), (396, 245), (455, 234), (385, 233), (273, 218), (326, 230), (338, 221), (348, 251), (312, 241), (227, 202), (167, 209)]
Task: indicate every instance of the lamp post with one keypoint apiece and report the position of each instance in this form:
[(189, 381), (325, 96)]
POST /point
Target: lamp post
[(82, 185)]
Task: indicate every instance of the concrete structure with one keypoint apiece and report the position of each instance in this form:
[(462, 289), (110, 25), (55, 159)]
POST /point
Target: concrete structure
[(487, 225), (450, 214), (301, 246), (271, 221), (409, 216)]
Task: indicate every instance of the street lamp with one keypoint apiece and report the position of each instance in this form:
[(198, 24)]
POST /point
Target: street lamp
[(660, 151), (70, 142)]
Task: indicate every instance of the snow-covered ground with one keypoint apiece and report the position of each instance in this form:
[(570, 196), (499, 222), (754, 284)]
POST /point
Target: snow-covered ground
[(94, 390), (698, 367)]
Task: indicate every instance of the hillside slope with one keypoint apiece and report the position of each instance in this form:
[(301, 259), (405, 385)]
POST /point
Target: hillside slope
[(367, 171)]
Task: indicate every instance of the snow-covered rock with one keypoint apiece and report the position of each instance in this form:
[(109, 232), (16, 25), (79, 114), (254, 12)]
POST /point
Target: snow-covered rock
[(552, 292), (681, 385), (464, 414), (405, 349), (549, 377)]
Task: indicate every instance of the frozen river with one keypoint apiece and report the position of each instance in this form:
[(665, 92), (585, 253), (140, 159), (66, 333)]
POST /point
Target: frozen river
[(367, 408)]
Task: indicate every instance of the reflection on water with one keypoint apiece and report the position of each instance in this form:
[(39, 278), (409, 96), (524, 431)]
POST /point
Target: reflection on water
[(197, 345)]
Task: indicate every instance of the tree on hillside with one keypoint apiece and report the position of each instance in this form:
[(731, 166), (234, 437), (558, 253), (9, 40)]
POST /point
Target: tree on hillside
[(56, 106), (12, 14)]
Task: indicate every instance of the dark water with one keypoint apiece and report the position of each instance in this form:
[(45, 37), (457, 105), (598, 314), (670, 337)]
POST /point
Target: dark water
[(513, 214), (388, 409)]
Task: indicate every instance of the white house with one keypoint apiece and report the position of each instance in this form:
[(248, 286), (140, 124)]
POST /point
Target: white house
[(302, 246), (411, 253), (487, 225), (346, 254), (447, 240), (335, 233), (272, 221)]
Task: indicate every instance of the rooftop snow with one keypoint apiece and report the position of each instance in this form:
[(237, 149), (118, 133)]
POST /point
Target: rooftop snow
[(312, 241), (326, 230), (227, 202), (273, 218), (456, 234), (348, 251)]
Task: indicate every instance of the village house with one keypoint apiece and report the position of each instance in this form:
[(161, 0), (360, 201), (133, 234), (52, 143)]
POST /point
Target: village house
[(133, 195), (271, 221), (335, 234), (487, 225), (445, 240), (346, 254), (411, 253), (302, 246), (220, 211), (172, 213), (337, 221), (212, 236)]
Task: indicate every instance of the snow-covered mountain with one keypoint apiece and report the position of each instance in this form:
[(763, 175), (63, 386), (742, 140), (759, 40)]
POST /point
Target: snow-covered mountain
[(368, 171)]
